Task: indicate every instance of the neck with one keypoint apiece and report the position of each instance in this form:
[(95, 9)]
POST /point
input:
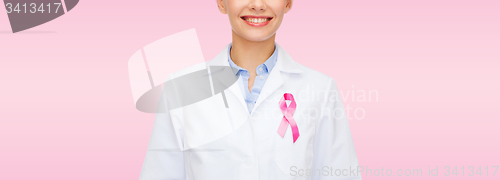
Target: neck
[(250, 54)]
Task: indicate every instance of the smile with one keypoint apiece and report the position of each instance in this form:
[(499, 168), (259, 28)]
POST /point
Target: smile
[(256, 21)]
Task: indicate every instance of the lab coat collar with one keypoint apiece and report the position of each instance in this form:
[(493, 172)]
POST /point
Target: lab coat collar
[(284, 64)]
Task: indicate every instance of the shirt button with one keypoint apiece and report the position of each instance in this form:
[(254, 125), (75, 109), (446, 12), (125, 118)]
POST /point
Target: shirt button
[(250, 105), (260, 69), (261, 77)]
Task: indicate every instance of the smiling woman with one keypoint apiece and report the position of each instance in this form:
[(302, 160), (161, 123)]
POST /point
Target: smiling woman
[(254, 25), (248, 131)]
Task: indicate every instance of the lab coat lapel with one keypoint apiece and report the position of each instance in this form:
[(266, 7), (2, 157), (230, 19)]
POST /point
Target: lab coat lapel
[(284, 64), (222, 60), (273, 82)]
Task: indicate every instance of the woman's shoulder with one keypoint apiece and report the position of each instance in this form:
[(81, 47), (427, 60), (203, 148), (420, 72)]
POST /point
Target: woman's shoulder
[(314, 75)]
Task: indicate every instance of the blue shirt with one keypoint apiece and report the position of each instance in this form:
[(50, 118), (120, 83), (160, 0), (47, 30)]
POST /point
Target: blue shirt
[(262, 70)]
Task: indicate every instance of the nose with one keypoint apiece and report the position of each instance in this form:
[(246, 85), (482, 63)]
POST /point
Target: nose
[(257, 5)]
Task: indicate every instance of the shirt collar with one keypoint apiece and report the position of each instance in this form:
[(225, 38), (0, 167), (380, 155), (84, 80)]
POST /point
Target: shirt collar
[(269, 63)]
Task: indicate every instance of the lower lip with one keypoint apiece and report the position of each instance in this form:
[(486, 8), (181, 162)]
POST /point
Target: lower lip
[(257, 24)]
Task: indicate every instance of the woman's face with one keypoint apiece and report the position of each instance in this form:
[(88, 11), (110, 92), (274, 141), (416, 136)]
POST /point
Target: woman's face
[(255, 20)]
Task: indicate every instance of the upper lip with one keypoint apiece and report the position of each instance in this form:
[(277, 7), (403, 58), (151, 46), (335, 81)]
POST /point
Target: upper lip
[(251, 16)]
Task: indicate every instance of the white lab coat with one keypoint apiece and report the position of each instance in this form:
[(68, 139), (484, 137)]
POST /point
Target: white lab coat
[(206, 140)]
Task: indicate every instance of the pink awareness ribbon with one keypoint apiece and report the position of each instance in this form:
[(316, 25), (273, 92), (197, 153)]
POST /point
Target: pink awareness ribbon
[(288, 117)]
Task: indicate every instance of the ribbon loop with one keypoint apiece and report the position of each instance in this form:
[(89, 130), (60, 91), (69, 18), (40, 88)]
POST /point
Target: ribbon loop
[(288, 116)]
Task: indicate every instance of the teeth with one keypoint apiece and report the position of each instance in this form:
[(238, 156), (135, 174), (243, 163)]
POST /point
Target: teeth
[(256, 20)]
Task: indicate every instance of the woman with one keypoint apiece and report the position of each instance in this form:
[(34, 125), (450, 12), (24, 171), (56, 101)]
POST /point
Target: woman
[(281, 120)]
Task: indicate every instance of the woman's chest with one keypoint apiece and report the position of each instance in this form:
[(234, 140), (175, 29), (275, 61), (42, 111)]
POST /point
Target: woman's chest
[(218, 137)]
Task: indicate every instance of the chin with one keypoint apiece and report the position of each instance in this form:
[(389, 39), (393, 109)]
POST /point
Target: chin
[(257, 37)]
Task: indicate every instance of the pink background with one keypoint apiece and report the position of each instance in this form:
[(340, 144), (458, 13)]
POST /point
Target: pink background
[(66, 108)]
